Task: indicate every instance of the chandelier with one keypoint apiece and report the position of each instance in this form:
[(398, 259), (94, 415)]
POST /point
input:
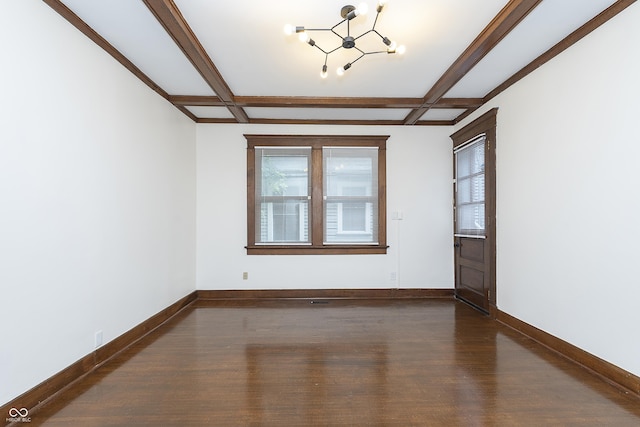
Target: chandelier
[(348, 41)]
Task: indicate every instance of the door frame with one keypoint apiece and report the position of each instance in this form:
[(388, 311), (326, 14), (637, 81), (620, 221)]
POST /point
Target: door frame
[(485, 124)]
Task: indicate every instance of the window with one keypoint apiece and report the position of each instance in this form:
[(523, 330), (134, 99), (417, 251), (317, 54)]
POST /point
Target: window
[(469, 162), (316, 194)]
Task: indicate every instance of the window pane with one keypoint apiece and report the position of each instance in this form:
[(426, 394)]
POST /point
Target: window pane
[(350, 194), (282, 195), (471, 218), (284, 222), (470, 189), (285, 172)]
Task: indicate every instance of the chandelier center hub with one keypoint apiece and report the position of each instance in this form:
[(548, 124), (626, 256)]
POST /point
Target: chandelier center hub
[(348, 42)]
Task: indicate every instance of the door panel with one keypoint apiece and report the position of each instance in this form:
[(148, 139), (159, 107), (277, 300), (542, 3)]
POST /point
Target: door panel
[(472, 250), (471, 280)]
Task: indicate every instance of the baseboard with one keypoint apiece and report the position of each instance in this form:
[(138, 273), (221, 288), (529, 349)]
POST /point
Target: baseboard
[(46, 390), (391, 293), (611, 373)]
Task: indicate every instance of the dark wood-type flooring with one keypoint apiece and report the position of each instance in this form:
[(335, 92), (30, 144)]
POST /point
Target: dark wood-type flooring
[(338, 363)]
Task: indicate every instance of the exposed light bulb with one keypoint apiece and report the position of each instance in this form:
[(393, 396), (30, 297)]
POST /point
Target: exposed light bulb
[(362, 9), (289, 29), (401, 49), (303, 36), (344, 68), (393, 46), (340, 71)]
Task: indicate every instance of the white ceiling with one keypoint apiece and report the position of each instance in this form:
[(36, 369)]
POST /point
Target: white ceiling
[(245, 41)]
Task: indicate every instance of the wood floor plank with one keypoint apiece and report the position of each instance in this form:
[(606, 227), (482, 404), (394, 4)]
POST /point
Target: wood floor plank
[(359, 363)]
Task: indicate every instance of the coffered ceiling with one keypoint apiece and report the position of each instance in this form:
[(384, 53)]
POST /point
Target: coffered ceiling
[(231, 62)]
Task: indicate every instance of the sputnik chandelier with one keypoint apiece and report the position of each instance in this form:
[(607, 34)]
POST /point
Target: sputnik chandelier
[(348, 12)]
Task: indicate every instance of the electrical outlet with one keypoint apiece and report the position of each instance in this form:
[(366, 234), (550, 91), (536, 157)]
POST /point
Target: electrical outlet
[(245, 275), (98, 339)]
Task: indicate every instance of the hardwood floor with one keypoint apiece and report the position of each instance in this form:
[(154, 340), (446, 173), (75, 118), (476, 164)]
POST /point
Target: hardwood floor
[(337, 363)]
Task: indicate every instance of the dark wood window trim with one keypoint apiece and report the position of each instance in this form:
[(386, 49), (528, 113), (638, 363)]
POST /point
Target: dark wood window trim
[(316, 143)]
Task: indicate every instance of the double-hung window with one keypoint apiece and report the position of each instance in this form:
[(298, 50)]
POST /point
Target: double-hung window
[(316, 194)]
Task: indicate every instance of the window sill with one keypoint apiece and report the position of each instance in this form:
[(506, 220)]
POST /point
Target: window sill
[(316, 250)]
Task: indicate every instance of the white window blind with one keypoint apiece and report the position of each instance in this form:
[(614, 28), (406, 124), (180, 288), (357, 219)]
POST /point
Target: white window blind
[(283, 191), (470, 188), (350, 195)]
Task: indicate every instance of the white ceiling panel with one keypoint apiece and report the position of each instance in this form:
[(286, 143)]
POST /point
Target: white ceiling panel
[(129, 27), (442, 114), (328, 114), (545, 26), (210, 112)]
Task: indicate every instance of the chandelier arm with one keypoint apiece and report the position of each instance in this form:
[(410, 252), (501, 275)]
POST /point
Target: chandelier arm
[(377, 51), (318, 29), (332, 28), (337, 34), (331, 51), (358, 58), (322, 50), (375, 21), (365, 33)]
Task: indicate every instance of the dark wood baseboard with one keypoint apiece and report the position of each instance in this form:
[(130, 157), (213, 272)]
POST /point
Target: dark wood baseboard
[(611, 373), (46, 390), (261, 294)]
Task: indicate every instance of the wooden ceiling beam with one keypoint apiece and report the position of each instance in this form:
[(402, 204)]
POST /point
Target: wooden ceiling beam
[(326, 102), (323, 102), (329, 122), (200, 101), (167, 13), (505, 21)]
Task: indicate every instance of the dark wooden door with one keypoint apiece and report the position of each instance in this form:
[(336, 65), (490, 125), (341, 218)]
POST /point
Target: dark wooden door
[(474, 213)]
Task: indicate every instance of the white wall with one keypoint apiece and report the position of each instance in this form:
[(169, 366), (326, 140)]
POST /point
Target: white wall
[(97, 197), (567, 194), (418, 184)]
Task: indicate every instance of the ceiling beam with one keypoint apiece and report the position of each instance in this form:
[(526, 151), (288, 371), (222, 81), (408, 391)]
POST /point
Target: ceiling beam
[(167, 13), (329, 122), (323, 102), (200, 101), (326, 102), (505, 21)]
